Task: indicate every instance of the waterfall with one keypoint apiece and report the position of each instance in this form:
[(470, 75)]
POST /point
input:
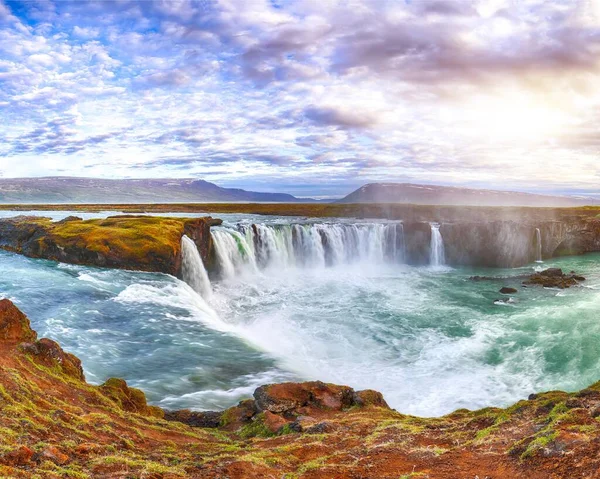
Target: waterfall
[(538, 246), (437, 255), (315, 245), (234, 255), (193, 270)]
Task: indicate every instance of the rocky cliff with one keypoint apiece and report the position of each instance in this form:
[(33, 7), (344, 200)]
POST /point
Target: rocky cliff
[(139, 243), (55, 425), (504, 243), (489, 237)]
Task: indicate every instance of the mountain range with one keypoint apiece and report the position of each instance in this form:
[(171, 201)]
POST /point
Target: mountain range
[(62, 190), (449, 195), (94, 190)]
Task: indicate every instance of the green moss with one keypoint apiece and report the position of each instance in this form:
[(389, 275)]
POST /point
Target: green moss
[(539, 443), (256, 428)]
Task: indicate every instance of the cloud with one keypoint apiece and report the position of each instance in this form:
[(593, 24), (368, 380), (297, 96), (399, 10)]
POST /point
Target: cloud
[(318, 93), (339, 116)]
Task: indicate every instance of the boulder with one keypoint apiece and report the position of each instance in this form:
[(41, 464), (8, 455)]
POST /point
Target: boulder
[(507, 290), (49, 353), (552, 272), (129, 399), (554, 278), (369, 397), (14, 325), (274, 422), (300, 398), (237, 416)]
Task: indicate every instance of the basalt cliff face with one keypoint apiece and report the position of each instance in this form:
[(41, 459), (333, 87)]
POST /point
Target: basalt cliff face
[(53, 424), (503, 243), (140, 243), (487, 237)]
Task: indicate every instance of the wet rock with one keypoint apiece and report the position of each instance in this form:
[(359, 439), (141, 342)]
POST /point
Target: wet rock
[(19, 457), (14, 325), (552, 273), (209, 419), (553, 278), (129, 399), (507, 290), (50, 353)]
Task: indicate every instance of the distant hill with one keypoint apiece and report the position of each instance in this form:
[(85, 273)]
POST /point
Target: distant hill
[(448, 195), (92, 190)]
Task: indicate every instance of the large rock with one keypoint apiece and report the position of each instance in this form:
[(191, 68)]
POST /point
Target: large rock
[(554, 278), (129, 399), (48, 352), (298, 397), (14, 325)]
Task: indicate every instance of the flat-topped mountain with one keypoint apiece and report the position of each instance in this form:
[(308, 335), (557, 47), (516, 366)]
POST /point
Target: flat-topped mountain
[(448, 195), (94, 190)]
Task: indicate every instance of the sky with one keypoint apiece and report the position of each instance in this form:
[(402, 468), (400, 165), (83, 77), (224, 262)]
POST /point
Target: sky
[(308, 97)]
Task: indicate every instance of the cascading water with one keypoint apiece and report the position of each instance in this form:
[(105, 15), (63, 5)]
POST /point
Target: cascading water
[(307, 245), (437, 255), (193, 270), (538, 246), (233, 252)]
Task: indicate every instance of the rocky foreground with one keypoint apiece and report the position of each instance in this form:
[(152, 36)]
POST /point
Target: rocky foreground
[(55, 425)]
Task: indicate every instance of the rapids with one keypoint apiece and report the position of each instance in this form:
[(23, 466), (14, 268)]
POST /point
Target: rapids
[(331, 300)]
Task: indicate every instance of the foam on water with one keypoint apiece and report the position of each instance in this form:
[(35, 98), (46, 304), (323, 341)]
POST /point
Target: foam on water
[(431, 340)]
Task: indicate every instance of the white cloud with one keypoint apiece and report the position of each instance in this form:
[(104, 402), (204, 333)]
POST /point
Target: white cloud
[(478, 93)]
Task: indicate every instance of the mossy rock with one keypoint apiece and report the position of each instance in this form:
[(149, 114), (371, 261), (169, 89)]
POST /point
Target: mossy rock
[(129, 399)]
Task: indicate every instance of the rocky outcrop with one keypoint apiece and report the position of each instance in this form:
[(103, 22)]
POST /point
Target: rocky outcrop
[(54, 425), (141, 243), (14, 325), (554, 278), (128, 398), (50, 354), (283, 407)]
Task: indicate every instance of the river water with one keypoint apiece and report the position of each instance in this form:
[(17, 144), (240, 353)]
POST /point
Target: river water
[(348, 311)]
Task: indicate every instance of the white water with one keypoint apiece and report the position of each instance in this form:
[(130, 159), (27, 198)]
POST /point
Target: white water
[(437, 254), (312, 246), (431, 340), (538, 246), (193, 270)]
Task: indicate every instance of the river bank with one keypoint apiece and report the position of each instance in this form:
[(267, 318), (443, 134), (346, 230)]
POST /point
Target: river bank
[(55, 425)]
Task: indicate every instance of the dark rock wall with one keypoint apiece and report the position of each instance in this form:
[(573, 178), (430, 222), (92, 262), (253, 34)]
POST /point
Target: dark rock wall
[(502, 243)]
